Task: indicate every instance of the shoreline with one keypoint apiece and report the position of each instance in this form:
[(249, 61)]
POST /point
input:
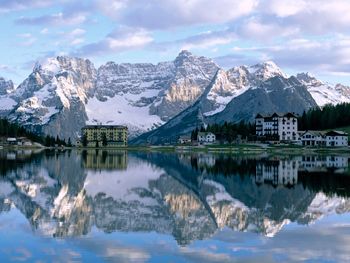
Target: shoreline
[(236, 149)]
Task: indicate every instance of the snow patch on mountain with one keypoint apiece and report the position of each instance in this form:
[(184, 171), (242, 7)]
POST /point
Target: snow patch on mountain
[(6, 103), (222, 91), (121, 110), (6, 188), (323, 206), (266, 70)]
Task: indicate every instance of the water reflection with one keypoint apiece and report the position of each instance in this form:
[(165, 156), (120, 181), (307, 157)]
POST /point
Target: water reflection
[(103, 159), (188, 196)]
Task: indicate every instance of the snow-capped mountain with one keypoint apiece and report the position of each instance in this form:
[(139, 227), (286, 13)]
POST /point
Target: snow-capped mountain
[(63, 94), (324, 93), (52, 99)]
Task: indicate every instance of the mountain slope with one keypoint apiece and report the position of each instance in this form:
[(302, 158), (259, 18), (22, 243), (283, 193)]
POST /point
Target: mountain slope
[(193, 116), (324, 93), (6, 103), (258, 93), (277, 94)]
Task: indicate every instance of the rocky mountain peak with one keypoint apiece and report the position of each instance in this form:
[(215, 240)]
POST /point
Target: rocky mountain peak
[(5, 86), (59, 64), (343, 90), (186, 59), (266, 70), (184, 54), (221, 83), (308, 79)]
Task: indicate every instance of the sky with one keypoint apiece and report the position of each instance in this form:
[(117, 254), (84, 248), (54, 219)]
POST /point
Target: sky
[(298, 35)]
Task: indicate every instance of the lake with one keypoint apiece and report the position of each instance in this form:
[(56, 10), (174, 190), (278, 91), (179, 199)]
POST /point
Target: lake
[(118, 206)]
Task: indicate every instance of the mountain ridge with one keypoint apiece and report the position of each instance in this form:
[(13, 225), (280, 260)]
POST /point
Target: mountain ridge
[(63, 94)]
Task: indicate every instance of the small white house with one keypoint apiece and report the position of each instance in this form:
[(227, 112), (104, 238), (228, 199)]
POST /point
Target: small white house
[(312, 138), (336, 139), (11, 140), (206, 138), (185, 139)]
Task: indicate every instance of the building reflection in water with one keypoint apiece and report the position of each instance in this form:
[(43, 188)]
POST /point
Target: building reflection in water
[(277, 172), (316, 163), (285, 171), (104, 160)]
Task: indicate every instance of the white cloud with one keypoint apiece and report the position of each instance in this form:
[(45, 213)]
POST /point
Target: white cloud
[(77, 32), (57, 19), (77, 41), (26, 39), (312, 16), (119, 40), (205, 40), (162, 14), (44, 31), (128, 40), (15, 5), (283, 8), (254, 28)]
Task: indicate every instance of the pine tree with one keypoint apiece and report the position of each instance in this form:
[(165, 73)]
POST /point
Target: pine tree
[(84, 140), (104, 139)]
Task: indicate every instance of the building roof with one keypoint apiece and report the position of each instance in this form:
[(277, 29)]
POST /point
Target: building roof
[(276, 114), (290, 115), (314, 133), (105, 126), (259, 116), (205, 133), (336, 133), (185, 137)]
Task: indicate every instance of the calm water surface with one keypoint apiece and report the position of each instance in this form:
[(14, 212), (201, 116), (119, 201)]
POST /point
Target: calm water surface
[(114, 206)]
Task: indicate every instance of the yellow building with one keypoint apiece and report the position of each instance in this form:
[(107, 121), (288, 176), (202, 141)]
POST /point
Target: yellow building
[(104, 135)]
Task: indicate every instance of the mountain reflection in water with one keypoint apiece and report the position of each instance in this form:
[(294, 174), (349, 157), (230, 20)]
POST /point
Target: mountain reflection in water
[(188, 196)]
